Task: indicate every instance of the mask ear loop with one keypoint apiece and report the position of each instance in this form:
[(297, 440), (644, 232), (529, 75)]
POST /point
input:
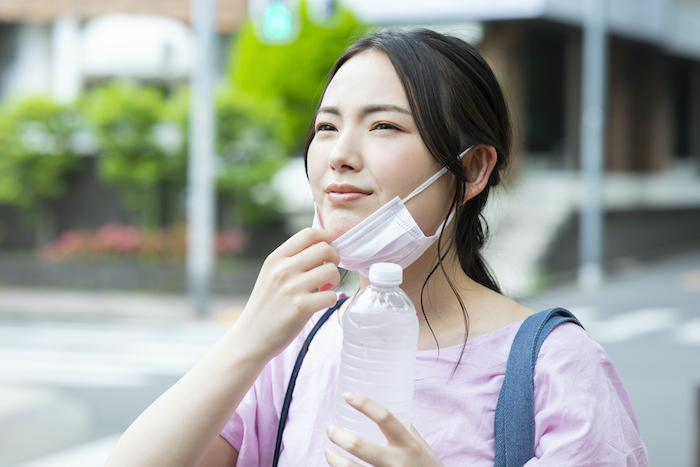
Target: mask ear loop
[(429, 182), (432, 179)]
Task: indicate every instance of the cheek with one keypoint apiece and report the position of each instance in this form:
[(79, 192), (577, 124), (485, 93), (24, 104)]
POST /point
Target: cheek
[(314, 169)]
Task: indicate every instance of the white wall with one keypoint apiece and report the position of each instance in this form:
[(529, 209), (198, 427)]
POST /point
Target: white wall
[(139, 46), (30, 72), (420, 11), (54, 59), (66, 74)]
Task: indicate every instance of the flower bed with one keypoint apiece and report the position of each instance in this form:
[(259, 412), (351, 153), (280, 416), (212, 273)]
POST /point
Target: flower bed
[(114, 240)]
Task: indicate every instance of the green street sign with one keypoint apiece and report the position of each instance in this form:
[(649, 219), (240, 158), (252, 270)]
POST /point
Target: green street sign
[(277, 22)]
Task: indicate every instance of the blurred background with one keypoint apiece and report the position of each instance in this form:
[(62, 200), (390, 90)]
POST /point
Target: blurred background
[(95, 322)]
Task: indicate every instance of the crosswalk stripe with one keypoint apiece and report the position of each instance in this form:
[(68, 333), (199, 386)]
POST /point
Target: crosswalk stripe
[(689, 333), (625, 326), (78, 354)]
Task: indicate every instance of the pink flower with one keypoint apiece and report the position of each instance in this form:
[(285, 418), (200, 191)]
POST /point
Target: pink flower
[(230, 242), (117, 240)]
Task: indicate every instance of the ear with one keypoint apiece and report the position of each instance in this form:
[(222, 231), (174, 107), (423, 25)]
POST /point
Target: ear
[(478, 165)]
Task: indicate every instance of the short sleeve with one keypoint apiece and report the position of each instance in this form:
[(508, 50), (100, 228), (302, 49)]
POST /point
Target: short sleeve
[(583, 415)]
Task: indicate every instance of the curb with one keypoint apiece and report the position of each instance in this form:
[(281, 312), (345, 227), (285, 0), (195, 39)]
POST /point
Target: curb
[(27, 303)]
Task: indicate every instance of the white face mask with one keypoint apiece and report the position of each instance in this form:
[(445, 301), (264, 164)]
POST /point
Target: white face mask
[(388, 235)]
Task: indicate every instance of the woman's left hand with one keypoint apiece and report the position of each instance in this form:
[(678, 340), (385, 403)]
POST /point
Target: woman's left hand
[(404, 448)]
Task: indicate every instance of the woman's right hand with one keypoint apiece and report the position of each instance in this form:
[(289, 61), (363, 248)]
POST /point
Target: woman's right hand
[(284, 297)]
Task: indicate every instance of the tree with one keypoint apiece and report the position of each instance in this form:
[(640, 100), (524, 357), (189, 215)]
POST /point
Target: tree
[(249, 135), (36, 154), (267, 107), (142, 146), (295, 72)]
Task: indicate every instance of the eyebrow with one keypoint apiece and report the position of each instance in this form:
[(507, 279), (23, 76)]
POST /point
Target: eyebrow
[(370, 109)]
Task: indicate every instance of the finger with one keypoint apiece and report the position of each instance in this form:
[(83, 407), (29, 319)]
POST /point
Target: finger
[(302, 240), (355, 445), (321, 300), (338, 460), (329, 285), (393, 429), (316, 254), (332, 284), (319, 277)]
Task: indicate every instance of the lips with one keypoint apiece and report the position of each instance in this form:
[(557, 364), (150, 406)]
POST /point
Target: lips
[(345, 193)]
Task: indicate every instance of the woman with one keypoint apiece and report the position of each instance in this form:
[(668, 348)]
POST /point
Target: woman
[(399, 107)]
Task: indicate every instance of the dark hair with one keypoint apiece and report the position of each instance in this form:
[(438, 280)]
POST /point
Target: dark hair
[(456, 102)]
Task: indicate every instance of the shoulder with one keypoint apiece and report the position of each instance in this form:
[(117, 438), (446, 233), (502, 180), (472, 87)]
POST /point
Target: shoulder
[(582, 409), (569, 344), (569, 353)]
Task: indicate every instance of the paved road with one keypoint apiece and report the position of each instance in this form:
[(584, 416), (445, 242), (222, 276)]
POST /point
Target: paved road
[(78, 384)]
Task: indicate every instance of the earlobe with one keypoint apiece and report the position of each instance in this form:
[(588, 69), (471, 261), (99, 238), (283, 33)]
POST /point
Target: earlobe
[(478, 165)]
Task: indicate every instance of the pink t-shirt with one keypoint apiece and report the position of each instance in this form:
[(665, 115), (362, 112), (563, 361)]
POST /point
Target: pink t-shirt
[(583, 415)]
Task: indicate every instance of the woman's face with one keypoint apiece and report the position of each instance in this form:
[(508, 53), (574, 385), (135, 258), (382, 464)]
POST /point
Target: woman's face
[(367, 150)]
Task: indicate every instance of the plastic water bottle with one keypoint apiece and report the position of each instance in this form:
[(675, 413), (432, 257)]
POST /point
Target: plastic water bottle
[(380, 336)]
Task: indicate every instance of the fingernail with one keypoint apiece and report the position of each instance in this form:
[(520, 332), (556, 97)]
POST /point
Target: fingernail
[(328, 452), (349, 396)]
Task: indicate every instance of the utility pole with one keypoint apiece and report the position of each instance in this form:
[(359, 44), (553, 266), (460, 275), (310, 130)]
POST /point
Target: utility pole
[(200, 192), (590, 274)]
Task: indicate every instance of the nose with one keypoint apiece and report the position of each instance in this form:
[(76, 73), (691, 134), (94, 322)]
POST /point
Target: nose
[(346, 154)]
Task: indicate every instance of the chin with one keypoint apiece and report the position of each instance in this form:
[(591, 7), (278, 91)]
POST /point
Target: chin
[(340, 227), (338, 222), (335, 232)]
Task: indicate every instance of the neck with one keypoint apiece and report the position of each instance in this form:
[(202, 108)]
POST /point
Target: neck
[(440, 305)]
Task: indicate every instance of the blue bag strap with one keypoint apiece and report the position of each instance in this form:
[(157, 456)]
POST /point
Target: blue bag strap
[(293, 378), (515, 411)]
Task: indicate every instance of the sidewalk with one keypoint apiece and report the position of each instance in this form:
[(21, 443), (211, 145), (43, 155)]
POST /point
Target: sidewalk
[(43, 420)]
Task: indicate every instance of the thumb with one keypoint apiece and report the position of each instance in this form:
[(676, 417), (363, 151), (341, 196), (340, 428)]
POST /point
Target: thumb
[(419, 438), (432, 458)]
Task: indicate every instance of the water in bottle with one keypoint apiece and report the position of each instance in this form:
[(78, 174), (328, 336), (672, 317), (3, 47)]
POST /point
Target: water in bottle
[(380, 335)]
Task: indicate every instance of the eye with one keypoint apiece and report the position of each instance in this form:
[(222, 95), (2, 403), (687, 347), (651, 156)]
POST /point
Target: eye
[(385, 126), (324, 127)]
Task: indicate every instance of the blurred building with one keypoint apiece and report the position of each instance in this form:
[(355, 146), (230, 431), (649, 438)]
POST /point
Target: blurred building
[(54, 47)]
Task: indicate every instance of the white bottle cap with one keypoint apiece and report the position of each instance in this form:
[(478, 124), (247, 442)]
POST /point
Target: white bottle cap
[(385, 274)]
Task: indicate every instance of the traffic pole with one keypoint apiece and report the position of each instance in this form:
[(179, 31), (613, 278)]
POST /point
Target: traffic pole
[(590, 274), (200, 191)]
